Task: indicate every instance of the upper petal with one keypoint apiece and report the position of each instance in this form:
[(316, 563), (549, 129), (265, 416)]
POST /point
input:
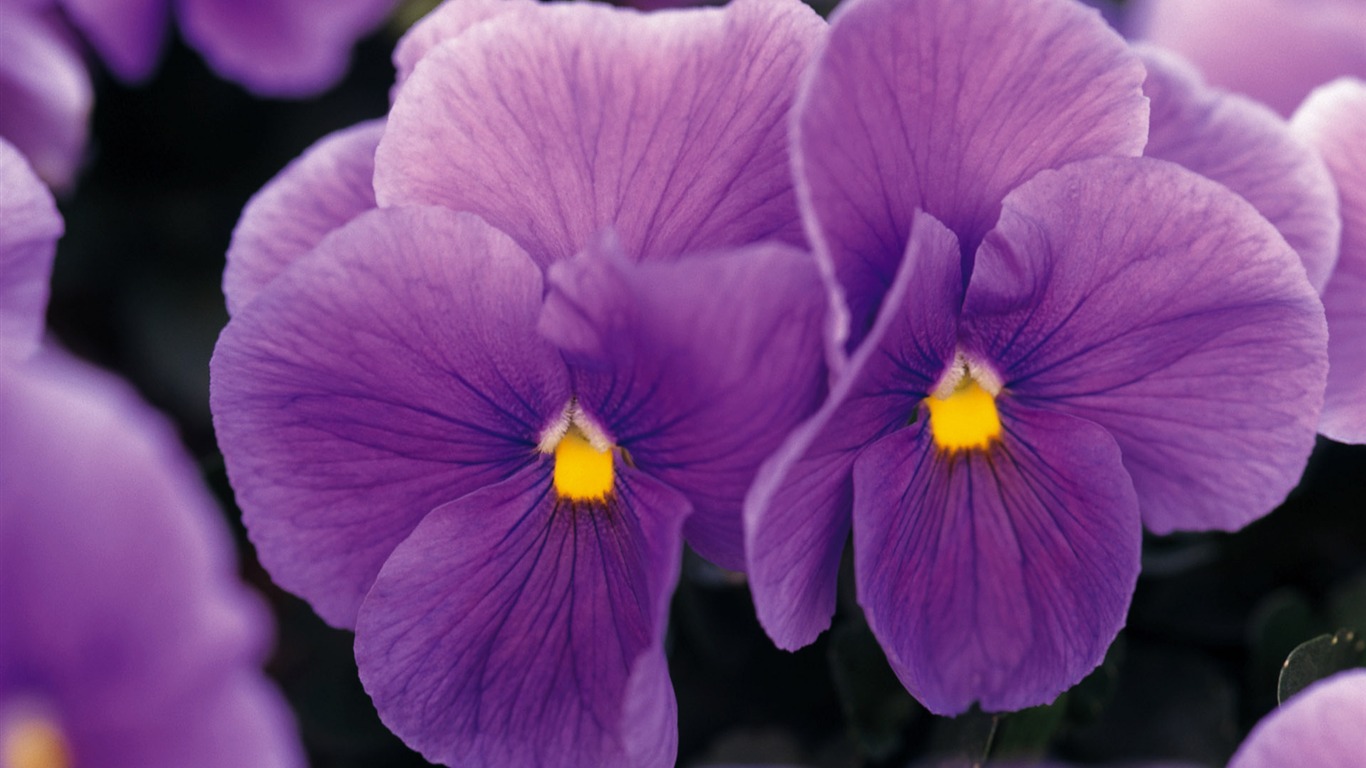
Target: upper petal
[(1001, 576), (1319, 726), (698, 368), (446, 21), (945, 106), (394, 369), (511, 629), (328, 185), (1249, 149), (46, 92), (128, 34), (562, 120), (29, 228), (1159, 305), (1333, 120)]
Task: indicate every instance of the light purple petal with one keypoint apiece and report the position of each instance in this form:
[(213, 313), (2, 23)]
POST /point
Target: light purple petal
[(797, 511), (1157, 304), (1333, 120), (46, 92), (1322, 726), (1275, 51), (128, 34), (1249, 149), (118, 584), (445, 22), (511, 629), (325, 187), (29, 228), (698, 368), (946, 106), (288, 48), (394, 369), (996, 577), (670, 128)]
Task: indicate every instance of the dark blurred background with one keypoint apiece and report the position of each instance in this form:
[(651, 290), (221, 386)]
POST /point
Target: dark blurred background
[(136, 290)]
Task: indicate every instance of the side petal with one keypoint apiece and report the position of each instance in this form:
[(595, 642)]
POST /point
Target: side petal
[(1319, 726), (555, 124), (1249, 149), (797, 512), (996, 577), (127, 34), (29, 228), (394, 369), (1333, 120), (512, 630), (1160, 306), (328, 185), (698, 368), (946, 106), (46, 92)]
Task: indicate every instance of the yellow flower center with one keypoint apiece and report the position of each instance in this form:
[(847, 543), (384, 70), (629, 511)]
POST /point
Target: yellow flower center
[(31, 741), (965, 419), (582, 472)]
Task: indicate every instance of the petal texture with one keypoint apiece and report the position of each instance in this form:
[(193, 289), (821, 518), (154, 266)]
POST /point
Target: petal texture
[(46, 92), (29, 228), (553, 125), (1333, 120), (448, 20), (1319, 726), (327, 186), (1001, 576), (393, 370), (1155, 303), (512, 630), (946, 106), (698, 368)]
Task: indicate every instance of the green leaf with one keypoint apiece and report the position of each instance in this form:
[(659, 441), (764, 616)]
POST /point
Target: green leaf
[(1321, 657)]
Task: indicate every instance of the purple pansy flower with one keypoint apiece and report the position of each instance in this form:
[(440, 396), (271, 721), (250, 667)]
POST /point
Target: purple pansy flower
[(127, 640), (477, 422), (1333, 121), (1057, 343), (45, 91), (1324, 726)]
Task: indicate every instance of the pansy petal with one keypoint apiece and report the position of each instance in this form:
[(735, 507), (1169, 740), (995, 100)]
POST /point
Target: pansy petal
[(1247, 148), (285, 48), (669, 127), (1157, 304), (946, 106), (996, 577), (1320, 726), (796, 514), (46, 92), (128, 34), (511, 629), (29, 228), (394, 369), (1333, 120), (697, 368), (325, 187), (446, 21)]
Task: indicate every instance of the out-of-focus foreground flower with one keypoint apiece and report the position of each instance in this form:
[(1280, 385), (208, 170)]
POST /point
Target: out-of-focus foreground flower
[(125, 639), (1323, 726), (1054, 343), (477, 423)]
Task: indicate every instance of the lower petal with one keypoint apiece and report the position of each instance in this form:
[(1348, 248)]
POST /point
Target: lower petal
[(1001, 576)]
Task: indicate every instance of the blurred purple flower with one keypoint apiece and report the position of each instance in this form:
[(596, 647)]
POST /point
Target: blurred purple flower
[(1055, 343), (475, 429), (127, 640), (1324, 726), (1275, 51)]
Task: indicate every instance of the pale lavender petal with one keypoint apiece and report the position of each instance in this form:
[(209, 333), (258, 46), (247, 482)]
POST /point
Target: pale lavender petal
[(1249, 149), (1322, 726), (797, 512), (288, 48), (127, 34), (395, 368), (995, 577), (46, 94), (1156, 303), (325, 187), (946, 106), (153, 655), (1275, 51), (1333, 120), (445, 22), (512, 629), (29, 228), (670, 128), (698, 368)]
